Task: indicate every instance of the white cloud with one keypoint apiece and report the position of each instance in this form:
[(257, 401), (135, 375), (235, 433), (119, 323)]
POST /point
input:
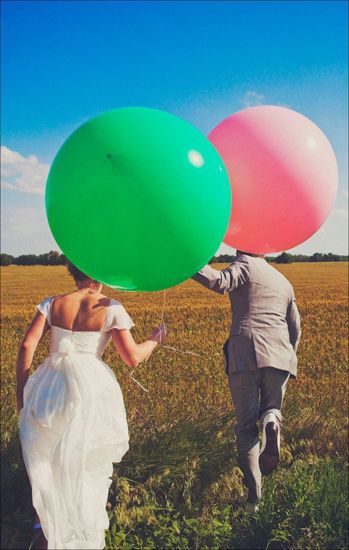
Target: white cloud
[(252, 98), (343, 212), (331, 237), (25, 230), (23, 174)]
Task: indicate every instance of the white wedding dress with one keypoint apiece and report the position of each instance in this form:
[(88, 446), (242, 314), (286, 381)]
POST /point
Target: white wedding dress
[(72, 428)]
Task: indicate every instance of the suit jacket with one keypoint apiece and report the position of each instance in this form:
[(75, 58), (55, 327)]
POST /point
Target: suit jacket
[(265, 329)]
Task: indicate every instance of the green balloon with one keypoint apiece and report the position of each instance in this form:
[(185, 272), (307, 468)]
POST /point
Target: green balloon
[(138, 199)]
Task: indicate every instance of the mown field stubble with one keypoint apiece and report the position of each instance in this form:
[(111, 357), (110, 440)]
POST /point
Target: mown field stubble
[(179, 484)]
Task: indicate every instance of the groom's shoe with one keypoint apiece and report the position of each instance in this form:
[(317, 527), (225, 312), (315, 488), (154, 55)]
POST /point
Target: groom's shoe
[(270, 450)]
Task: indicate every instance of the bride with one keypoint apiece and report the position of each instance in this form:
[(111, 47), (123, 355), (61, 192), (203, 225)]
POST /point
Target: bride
[(72, 416)]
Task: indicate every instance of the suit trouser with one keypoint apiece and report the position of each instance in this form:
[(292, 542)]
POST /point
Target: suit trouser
[(255, 393)]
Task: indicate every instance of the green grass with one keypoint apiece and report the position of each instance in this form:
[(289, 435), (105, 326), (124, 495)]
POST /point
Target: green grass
[(303, 507), (182, 490)]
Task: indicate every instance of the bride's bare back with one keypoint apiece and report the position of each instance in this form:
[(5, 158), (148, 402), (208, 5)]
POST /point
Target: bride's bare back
[(80, 311)]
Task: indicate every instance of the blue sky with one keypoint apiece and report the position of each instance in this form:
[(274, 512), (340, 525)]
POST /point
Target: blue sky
[(65, 62)]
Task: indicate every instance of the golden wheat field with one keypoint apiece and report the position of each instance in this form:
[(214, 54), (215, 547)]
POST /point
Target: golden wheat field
[(177, 486)]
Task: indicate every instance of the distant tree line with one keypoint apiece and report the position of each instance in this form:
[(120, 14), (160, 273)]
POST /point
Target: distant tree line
[(286, 258), (50, 258), (55, 258)]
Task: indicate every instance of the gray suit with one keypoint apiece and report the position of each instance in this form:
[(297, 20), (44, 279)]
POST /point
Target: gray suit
[(260, 353), (265, 329)]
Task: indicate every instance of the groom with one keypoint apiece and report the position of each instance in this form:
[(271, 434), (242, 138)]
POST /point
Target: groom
[(259, 355)]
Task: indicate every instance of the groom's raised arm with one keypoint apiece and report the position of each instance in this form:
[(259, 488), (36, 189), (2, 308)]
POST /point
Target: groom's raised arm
[(224, 280)]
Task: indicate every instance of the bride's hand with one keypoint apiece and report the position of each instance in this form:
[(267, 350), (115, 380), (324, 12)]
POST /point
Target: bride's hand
[(159, 334)]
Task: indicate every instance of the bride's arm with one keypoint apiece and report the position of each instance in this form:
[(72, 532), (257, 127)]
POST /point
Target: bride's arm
[(26, 351), (132, 353)]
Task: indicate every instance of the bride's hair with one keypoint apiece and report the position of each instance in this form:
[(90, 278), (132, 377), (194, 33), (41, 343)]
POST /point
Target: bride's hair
[(75, 272)]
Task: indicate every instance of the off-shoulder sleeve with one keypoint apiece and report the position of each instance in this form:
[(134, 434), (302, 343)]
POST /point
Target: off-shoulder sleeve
[(117, 317), (45, 308)]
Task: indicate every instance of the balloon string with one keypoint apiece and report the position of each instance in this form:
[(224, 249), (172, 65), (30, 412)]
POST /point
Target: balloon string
[(139, 384), (161, 321), (171, 347), (163, 346), (182, 351), (163, 307)]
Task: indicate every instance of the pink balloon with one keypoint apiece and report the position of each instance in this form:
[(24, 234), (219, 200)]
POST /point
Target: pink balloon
[(283, 174)]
